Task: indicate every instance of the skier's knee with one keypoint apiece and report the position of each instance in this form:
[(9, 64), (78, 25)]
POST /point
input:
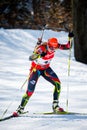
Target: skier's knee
[(59, 87), (29, 94)]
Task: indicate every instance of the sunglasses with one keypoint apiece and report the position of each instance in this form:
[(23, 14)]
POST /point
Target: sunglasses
[(51, 48)]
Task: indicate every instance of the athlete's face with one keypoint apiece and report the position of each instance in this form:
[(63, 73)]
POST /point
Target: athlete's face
[(51, 49)]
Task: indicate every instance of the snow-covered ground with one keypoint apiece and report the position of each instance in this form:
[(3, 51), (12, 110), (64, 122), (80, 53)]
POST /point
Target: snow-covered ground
[(15, 48)]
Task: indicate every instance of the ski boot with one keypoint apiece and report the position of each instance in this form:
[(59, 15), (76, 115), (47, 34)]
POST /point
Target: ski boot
[(56, 107), (20, 110)]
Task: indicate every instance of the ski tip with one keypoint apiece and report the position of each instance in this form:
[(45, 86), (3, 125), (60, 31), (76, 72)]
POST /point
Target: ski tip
[(15, 114)]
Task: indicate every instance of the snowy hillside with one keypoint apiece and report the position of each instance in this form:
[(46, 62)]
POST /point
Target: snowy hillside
[(15, 48)]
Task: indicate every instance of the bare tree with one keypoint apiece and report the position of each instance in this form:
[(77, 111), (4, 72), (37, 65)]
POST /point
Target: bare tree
[(80, 29)]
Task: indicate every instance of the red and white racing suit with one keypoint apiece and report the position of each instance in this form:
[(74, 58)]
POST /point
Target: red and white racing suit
[(44, 61), (41, 67)]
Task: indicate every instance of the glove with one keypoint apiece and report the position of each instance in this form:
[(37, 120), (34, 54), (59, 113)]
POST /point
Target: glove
[(34, 57), (71, 35), (39, 41), (43, 54)]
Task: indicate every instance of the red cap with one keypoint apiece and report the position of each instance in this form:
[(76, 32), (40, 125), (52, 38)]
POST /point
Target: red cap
[(53, 42)]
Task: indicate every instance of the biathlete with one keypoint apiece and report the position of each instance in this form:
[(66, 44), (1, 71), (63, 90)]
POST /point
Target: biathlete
[(40, 66)]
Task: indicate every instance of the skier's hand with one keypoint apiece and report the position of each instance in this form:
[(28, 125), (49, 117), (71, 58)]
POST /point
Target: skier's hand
[(39, 41), (71, 35), (34, 57), (43, 54)]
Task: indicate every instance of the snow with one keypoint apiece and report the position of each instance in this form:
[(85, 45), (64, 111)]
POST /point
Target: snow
[(16, 46)]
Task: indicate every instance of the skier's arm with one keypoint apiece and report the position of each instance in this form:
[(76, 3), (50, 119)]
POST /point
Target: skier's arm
[(68, 45), (64, 46), (39, 52)]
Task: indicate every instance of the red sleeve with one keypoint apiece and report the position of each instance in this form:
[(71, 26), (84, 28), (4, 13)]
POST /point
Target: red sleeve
[(40, 49), (65, 46)]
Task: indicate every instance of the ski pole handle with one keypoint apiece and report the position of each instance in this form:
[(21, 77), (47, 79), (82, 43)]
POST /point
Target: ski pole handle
[(40, 39)]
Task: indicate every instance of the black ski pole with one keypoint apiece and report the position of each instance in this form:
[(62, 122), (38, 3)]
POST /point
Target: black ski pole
[(41, 37)]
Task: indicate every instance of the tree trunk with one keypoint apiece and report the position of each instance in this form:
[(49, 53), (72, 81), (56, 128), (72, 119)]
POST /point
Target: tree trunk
[(79, 8)]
